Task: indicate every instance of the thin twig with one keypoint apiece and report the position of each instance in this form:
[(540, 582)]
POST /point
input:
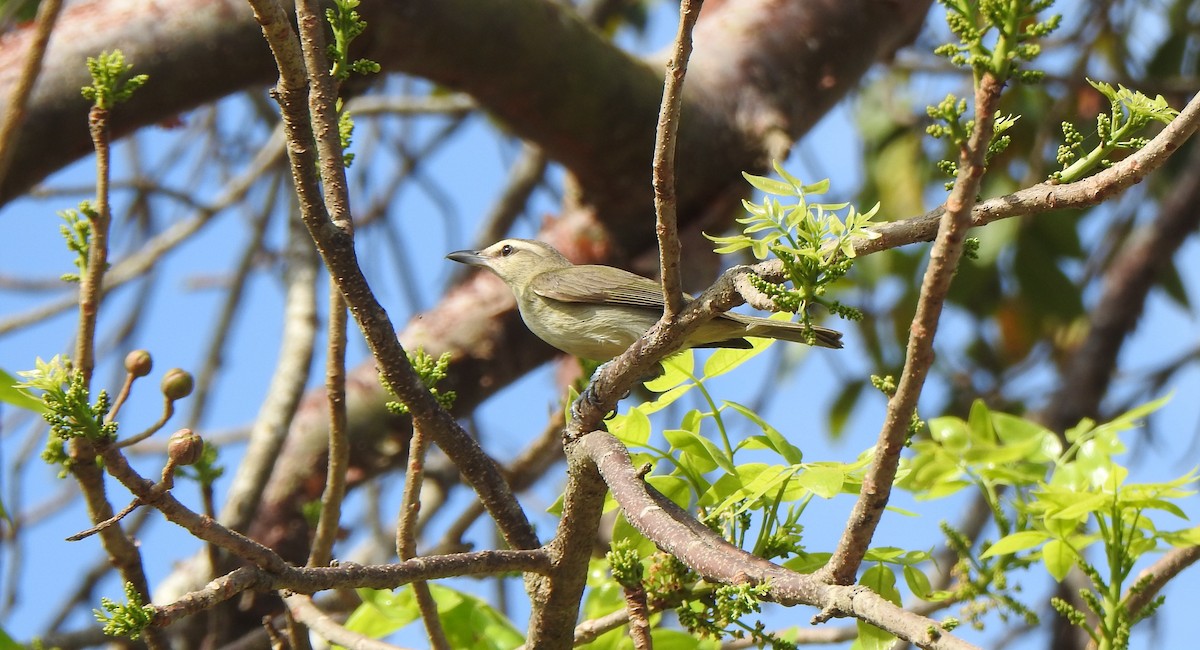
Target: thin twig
[(666, 223), (311, 580), (406, 537), (339, 442), (947, 249), (125, 554)]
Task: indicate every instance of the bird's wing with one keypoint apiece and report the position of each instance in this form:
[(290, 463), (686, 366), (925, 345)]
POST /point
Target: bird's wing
[(598, 284)]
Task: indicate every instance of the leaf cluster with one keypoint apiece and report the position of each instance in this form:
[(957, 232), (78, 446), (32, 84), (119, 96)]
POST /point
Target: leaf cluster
[(128, 619), (68, 410), (431, 372), (997, 36), (1129, 113), (111, 81), (77, 233), (815, 246), (347, 25), (1060, 502)]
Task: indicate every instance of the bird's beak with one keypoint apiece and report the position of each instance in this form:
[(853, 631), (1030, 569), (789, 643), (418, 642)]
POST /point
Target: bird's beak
[(472, 258)]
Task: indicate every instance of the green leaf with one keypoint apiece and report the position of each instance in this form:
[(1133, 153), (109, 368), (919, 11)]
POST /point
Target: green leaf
[(825, 481), (980, 423), (677, 369), (951, 432), (723, 360), (632, 428), (698, 452), (382, 612), (665, 399), (7, 643), (667, 639), (18, 397), (1012, 430), (769, 185), (470, 622), (1015, 542), (755, 481), (1085, 505), (918, 582), (807, 562), (871, 638), (775, 440), (1059, 558)]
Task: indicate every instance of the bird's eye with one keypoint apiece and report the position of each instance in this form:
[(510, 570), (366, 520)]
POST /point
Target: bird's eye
[(506, 250)]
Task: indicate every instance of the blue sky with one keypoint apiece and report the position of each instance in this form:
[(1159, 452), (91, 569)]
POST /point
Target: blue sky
[(176, 332)]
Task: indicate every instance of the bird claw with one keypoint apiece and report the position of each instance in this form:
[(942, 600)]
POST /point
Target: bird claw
[(589, 395)]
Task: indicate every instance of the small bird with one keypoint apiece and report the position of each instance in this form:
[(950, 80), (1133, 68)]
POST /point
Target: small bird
[(596, 312)]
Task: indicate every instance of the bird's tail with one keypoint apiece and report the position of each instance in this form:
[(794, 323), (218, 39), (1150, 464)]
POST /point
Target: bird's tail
[(785, 331)]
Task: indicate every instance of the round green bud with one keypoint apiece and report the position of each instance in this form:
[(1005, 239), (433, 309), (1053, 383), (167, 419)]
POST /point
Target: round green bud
[(177, 384)]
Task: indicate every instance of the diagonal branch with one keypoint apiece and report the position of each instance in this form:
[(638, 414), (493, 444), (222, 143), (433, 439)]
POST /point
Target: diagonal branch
[(337, 250), (947, 249), (678, 533)]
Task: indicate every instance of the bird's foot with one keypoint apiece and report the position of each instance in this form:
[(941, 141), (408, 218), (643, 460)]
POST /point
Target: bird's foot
[(591, 398)]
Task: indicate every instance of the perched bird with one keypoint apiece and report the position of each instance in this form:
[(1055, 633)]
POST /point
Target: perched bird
[(596, 312)]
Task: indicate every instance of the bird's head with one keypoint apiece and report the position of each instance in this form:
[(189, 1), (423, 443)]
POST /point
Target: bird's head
[(516, 261)]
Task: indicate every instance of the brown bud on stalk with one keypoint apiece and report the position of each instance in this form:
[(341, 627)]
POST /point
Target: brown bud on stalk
[(138, 363), (185, 447)]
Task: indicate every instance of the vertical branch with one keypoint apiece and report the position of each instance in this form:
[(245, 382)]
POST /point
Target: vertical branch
[(339, 444), (944, 257), (556, 597), (322, 102), (666, 226), (406, 536), (124, 553), (91, 281)]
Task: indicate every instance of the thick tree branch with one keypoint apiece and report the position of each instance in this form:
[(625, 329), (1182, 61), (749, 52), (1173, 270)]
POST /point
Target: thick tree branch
[(678, 533)]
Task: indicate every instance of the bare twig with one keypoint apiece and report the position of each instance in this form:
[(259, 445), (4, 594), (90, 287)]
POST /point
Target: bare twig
[(877, 483), (406, 540), (339, 437), (1156, 576), (306, 611), (310, 580), (666, 224)]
